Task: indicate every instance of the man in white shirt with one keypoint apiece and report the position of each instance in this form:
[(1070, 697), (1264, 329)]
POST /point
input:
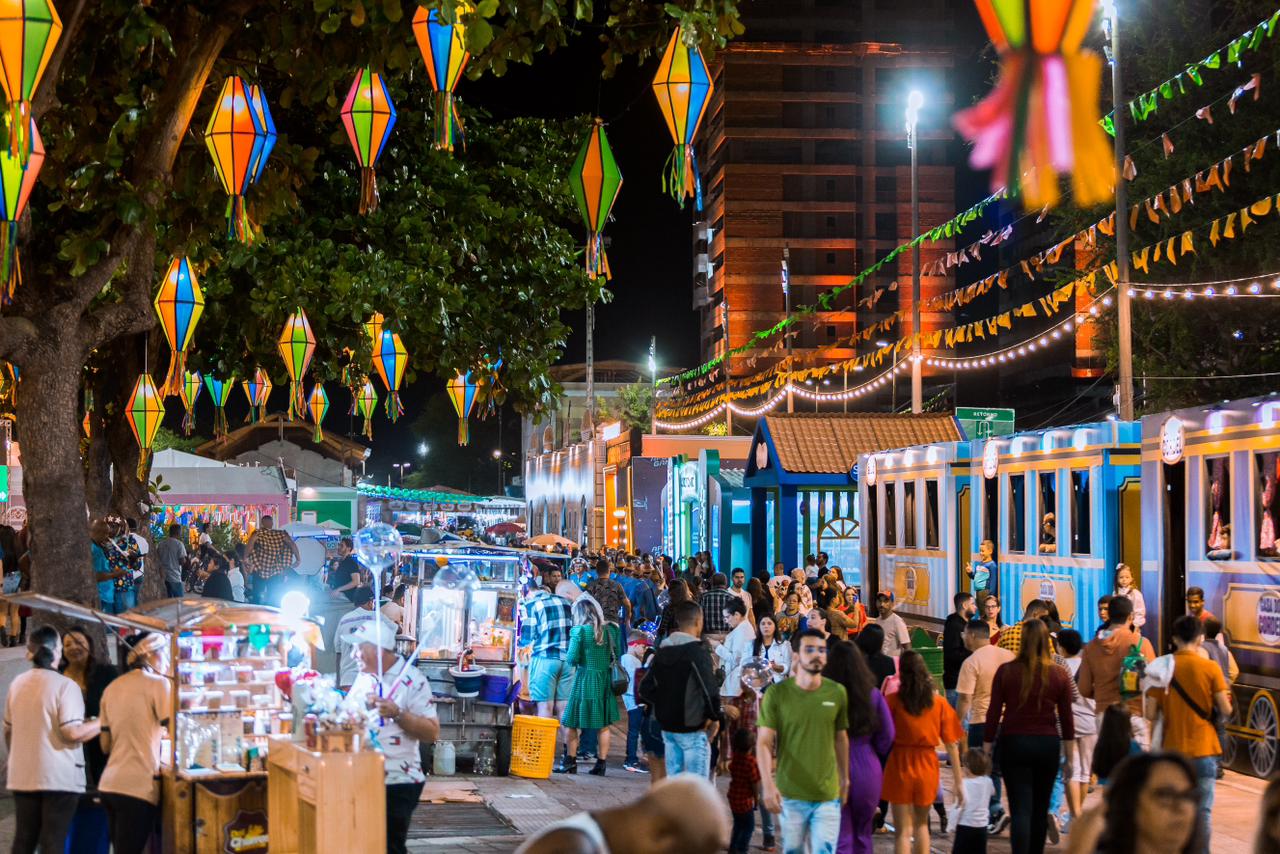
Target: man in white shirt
[(896, 636), (358, 616), (973, 690), (407, 716), (738, 587)]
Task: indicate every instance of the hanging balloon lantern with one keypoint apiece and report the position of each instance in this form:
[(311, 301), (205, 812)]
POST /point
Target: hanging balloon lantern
[(86, 424), (373, 328), (257, 389), (220, 391), (368, 116), (297, 345), (235, 142), (390, 361), (191, 386), (318, 405), (1042, 119), (179, 303), (17, 178), (266, 127), (462, 392), (683, 86), (367, 405), (445, 54), (29, 31), (490, 392), (595, 181), (146, 411)]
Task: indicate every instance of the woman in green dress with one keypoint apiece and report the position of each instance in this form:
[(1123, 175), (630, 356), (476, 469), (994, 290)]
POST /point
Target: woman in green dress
[(592, 704)]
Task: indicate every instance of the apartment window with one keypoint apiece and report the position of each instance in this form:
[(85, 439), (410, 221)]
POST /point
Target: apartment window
[(890, 514), (831, 188), (1017, 513), (828, 116), (831, 259), (831, 223), (886, 188), (886, 226), (831, 333)]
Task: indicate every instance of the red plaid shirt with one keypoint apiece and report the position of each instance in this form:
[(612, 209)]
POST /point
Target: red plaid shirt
[(743, 777)]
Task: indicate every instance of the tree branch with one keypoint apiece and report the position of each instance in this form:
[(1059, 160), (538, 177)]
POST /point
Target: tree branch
[(115, 319), (46, 92), (15, 332)]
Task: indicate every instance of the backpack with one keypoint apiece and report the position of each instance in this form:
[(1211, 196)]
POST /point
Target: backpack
[(1132, 669)]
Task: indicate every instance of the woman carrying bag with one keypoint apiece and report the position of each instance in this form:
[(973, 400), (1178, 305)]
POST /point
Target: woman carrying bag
[(592, 703)]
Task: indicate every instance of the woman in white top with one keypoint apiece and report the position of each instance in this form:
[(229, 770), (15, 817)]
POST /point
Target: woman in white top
[(135, 712), (768, 645), (1125, 588), (1084, 712), (44, 728)]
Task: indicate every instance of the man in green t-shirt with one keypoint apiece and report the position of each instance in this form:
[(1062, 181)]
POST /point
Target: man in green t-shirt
[(804, 722)]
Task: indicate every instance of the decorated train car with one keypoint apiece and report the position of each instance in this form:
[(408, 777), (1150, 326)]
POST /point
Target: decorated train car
[(1210, 505)]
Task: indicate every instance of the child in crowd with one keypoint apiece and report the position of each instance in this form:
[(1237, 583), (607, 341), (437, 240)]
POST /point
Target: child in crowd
[(969, 821), (744, 787), (1115, 741), (637, 644)]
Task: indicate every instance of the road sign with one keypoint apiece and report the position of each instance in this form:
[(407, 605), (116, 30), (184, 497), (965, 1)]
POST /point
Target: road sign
[(985, 423)]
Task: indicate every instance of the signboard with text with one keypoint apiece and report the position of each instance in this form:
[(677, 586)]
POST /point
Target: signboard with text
[(985, 423)]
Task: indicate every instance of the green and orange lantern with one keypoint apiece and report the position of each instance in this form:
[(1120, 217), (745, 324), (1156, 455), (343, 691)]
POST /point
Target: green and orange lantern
[(17, 178), (390, 360), (683, 87), (257, 389), (236, 143), (146, 411), (297, 345), (220, 391), (462, 393), (179, 303), (191, 387), (29, 32), (367, 405), (369, 116), (445, 54), (1042, 119), (318, 407), (596, 181)]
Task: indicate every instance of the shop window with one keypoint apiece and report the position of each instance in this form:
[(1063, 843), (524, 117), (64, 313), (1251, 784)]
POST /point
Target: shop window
[(1017, 513), (1217, 510), (890, 514), (931, 514), (1047, 535), (909, 514), (1268, 503), (1081, 540)]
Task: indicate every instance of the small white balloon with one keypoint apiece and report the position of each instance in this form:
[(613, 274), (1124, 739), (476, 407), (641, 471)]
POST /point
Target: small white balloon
[(756, 673), (456, 577), (378, 546)]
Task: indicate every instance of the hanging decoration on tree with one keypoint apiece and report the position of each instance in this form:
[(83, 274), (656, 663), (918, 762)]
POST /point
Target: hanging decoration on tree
[(1042, 119), (368, 116), (266, 127), (191, 387), (462, 392), (236, 142), (596, 181), (257, 389), (390, 360), (445, 54), (318, 405), (373, 328), (179, 303), (297, 346), (490, 392), (146, 411), (367, 405), (7, 397), (17, 178), (29, 32), (683, 87), (220, 391)]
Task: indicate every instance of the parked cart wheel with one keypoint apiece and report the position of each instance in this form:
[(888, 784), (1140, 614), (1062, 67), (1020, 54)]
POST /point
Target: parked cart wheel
[(1231, 743), (1264, 720)]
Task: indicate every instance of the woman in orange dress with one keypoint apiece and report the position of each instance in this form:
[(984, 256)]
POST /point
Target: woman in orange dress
[(922, 720)]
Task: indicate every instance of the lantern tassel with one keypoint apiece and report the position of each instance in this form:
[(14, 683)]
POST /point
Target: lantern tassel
[(463, 432), (10, 267), (262, 409), (297, 403), (368, 191), (394, 407), (19, 137), (318, 435), (220, 423), (680, 178), (448, 124), (368, 427), (239, 228), (144, 459), (177, 367), (189, 421)]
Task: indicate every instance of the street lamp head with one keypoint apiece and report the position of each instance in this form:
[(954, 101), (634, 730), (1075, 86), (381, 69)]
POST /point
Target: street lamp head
[(497, 455), (915, 100), (882, 343), (422, 449)]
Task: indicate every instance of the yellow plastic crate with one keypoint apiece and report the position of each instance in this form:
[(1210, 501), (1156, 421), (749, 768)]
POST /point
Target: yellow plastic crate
[(533, 746)]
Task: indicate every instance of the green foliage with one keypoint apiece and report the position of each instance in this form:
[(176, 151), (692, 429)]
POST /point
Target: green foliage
[(633, 406), (224, 538), (167, 439)]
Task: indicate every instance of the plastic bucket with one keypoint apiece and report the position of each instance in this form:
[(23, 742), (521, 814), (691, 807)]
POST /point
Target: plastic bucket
[(493, 688), (466, 683)]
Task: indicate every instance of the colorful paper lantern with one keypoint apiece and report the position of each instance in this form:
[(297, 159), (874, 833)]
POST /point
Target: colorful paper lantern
[(257, 389), (191, 387), (318, 406), (596, 181), (367, 405), (683, 87), (445, 54), (490, 392), (297, 345), (390, 360), (1042, 119), (373, 328), (462, 393), (235, 142), (29, 32), (266, 127), (17, 179), (146, 411), (220, 391), (369, 117), (179, 303)]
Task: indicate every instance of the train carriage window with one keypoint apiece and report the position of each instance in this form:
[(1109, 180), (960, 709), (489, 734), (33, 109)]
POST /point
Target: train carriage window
[(1268, 503), (1017, 513), (1047, 536), (931, 514), (1218, 508), (909, 514), (1081, 541), (890, 514)]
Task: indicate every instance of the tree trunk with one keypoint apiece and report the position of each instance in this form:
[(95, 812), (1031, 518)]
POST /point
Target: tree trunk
[(97, 467)]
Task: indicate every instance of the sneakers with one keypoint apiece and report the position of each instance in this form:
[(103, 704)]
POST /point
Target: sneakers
[(1055, 830), (635, 767), (999, 825)]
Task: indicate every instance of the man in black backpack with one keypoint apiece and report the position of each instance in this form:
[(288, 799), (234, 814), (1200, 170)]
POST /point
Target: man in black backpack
[(682, 691)]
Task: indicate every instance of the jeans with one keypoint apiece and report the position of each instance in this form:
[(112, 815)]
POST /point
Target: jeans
[(1206, 777), (402, 798), (43, 819), (1059, 790), (1029, 764), (687, 751), (807, 822), (126, 599), (970, 840), (766, 822), (173, 588), (744, 824), (635, 718), (133, 820), (953, 697), (995, 808)]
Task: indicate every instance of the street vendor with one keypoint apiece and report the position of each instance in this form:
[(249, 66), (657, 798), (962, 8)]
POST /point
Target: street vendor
[(407, 716)]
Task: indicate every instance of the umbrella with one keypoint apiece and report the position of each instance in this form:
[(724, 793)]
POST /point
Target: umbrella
[(552, 540), (504, 529)]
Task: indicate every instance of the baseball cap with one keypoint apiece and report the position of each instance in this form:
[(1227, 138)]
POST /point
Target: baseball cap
[(369, 633)]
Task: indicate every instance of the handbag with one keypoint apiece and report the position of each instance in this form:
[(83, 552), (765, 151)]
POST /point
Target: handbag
[(619, 681)]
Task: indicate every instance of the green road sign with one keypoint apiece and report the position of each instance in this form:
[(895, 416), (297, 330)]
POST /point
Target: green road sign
[(984, 423)]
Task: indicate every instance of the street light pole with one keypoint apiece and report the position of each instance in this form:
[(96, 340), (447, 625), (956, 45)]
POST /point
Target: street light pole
[(653, 384), (915, 101), (1125, 307), (786, 307)]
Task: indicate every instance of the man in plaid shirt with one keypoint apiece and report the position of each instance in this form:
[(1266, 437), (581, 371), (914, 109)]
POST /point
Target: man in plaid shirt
[(714, 602), (544, 637)]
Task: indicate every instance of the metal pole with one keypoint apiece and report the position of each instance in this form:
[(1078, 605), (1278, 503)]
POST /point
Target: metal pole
[(653, 382), (786, 296), (917, 380), (893, 383), (1125, 309), (845, 400), (591, 365)]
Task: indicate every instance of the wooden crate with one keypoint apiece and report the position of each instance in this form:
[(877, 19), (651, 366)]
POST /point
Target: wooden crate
[(335, 797)]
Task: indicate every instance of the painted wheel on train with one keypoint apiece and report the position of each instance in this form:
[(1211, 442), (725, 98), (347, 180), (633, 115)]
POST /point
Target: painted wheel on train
[(1264, 720), (1231, 744)]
